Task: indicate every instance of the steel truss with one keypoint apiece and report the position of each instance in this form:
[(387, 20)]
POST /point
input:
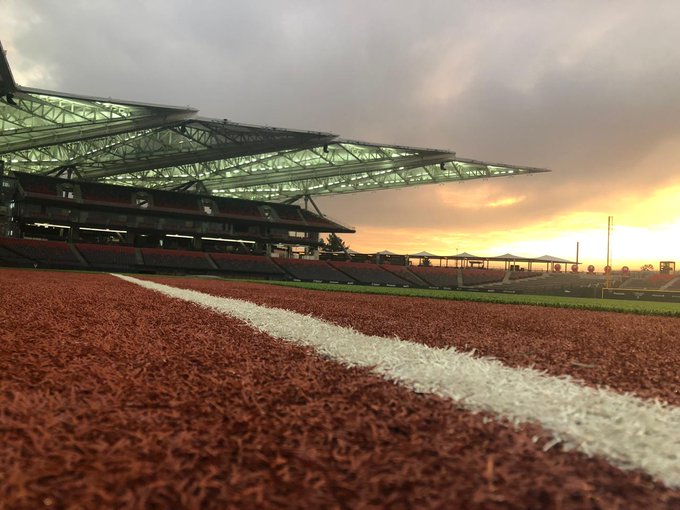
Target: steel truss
[(167, 147)]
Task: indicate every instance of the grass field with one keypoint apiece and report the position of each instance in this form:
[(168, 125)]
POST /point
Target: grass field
[(609, 305)]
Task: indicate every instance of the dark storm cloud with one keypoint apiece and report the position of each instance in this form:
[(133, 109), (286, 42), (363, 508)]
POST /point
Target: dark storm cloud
[(588, 90)]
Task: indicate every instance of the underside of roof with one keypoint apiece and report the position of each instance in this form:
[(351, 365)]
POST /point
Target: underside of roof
[(155, 146)]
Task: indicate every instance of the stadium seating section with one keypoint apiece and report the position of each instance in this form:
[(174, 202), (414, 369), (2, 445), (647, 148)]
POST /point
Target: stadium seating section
[(368, 273), (176, 201), (650, 282), (106, 194), (674, 284), (251, 264), (312, 270), (405, 274), (238, 208), (521, 275), (482, 276), (437, 276), (62, 201), (32, 211), (660, 280), (45, 253), (636, 283), (176, 259), (12, 258), (551, 282), (315, 219), (57, 254), (37, 184), (288, 213), (108, 257)]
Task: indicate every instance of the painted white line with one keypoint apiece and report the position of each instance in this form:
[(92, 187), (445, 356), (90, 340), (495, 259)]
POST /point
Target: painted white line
[(630, 432)]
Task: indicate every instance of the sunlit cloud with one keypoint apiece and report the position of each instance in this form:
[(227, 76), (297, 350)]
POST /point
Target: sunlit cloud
[(477, 196), (646, 232), (505, 202)]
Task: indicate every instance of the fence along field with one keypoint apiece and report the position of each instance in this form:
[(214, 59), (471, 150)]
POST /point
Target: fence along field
[(618, 305)]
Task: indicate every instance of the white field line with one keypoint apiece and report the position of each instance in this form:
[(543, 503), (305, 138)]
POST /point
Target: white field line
[(630, 432)]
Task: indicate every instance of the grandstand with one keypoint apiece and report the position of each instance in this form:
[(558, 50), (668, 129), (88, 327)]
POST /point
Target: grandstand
[(59, 254), (71, 162), (53, 208), (103, 184)]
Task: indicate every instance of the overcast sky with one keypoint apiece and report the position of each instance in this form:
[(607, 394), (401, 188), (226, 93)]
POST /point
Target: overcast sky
[(586, 89)]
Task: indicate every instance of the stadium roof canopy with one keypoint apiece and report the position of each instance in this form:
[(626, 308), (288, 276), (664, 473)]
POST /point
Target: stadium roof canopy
[(155, 146)]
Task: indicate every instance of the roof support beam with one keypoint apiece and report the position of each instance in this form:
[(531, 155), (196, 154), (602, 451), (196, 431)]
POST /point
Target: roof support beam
[(388, 164), (179, 158)]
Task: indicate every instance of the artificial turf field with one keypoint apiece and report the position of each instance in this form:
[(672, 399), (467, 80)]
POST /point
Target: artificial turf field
[(161, 392)]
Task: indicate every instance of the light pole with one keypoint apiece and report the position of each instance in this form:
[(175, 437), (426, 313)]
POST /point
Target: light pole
[(608, 268)]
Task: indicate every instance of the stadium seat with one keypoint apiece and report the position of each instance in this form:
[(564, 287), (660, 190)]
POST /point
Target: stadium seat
[(44, 253)]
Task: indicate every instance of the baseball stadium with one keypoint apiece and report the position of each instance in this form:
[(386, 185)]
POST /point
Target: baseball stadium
[(183, 327)]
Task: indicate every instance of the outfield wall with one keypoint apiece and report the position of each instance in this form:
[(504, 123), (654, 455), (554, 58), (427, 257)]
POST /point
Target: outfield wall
[(668, 296)]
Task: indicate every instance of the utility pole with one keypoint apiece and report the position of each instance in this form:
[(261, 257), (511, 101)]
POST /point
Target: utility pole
[(608, 268)]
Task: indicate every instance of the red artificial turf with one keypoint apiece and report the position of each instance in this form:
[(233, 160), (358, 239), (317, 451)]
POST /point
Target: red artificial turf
[(114, 396), (626, 352)]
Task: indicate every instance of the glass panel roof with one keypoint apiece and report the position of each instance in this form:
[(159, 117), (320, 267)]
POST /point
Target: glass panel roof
[(156, 146)]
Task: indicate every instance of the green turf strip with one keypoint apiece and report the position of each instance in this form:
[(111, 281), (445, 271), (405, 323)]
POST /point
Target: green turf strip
[(609, 305)]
